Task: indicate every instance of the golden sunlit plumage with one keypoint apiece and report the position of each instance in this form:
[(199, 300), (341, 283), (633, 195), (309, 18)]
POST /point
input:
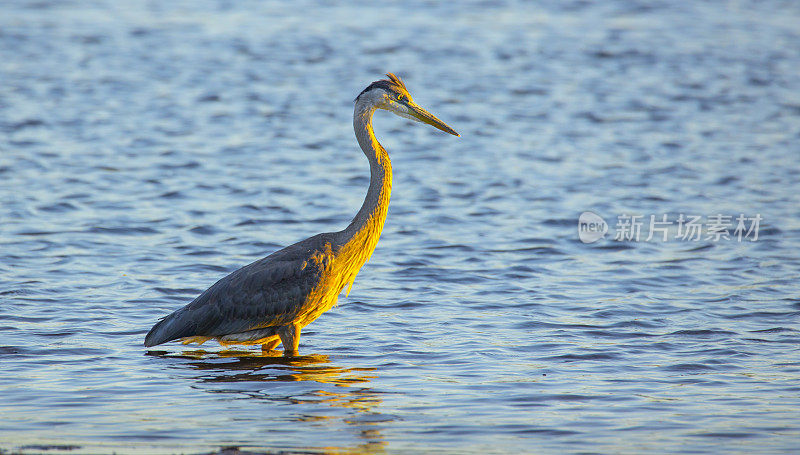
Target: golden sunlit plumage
[(271, 300)]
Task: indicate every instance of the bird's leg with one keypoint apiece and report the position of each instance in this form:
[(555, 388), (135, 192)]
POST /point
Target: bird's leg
[(270, 345), (290, 338)]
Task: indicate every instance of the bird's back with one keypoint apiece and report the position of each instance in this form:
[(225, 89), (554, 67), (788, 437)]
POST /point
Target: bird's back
[(288, 285)]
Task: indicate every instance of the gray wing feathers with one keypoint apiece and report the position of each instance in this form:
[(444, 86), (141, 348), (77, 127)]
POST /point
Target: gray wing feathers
[(265, 293)]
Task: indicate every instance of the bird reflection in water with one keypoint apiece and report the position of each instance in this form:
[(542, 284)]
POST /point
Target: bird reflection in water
[(251, 366), (244, 366)]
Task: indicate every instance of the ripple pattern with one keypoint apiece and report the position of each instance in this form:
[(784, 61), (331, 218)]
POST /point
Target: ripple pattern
[(149, 148)]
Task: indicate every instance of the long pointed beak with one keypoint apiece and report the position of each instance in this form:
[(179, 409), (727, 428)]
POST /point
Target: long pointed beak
[(424, 116)]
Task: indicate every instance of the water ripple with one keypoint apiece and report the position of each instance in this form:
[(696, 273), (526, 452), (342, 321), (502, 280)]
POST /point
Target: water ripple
[(147, 154)]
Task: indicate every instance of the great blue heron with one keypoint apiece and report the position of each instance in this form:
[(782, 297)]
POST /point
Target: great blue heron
[(271, 300)]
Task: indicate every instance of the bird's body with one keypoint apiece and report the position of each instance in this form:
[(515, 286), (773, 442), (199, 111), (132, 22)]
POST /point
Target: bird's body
[(271, 300)]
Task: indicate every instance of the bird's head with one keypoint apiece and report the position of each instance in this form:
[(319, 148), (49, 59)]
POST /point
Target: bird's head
[(391, 94)]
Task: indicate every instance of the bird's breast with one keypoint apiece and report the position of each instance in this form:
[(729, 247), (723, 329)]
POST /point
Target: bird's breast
[(323, 295)]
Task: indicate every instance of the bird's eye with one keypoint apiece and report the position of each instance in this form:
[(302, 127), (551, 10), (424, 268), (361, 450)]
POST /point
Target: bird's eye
[(399, 97)]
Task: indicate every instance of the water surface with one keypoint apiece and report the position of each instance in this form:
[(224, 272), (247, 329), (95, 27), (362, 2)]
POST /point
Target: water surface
[(147, 149)]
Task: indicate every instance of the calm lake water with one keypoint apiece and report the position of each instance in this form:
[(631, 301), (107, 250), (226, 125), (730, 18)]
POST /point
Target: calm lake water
[(149, 148)]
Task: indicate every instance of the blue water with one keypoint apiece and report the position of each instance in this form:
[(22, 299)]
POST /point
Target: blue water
[(148, 148)]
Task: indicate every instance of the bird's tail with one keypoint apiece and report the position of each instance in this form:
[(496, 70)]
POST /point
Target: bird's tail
[(168, 329)]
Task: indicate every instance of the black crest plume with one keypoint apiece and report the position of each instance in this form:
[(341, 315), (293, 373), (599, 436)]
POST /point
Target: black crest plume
[(392, 84)]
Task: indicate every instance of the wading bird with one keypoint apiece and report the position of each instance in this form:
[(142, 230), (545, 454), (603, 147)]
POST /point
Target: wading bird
[(271, 300)]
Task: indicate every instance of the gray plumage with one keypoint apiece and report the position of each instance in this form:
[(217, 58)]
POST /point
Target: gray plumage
[(271, 290)]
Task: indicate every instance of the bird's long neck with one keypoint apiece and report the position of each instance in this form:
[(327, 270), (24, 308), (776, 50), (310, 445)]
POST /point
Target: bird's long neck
[(358, 240)]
